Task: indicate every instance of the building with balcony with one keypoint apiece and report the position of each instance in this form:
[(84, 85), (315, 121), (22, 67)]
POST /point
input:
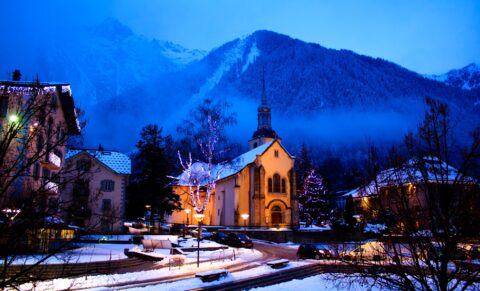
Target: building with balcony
[(36, 120), (95, 197)]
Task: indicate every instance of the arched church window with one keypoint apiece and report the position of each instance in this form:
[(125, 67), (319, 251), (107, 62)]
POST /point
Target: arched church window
[(270, 185), (284, 185), (276, 183)]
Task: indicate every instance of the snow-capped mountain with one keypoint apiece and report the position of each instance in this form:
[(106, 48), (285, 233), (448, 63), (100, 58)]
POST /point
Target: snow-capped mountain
[(467, 78), (328, 97), (101, 62)]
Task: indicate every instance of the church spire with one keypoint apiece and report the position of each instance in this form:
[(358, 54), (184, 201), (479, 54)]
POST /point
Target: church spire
[(264, 95), (264, 132)]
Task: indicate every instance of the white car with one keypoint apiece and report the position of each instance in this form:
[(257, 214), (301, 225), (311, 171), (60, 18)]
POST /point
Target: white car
[(370, 251)]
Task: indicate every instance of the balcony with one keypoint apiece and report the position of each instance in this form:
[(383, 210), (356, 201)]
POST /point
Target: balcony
[(51, 187), (52, 161)]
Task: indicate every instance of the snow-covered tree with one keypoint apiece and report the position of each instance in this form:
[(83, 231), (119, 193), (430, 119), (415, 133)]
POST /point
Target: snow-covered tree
[(313, 201)]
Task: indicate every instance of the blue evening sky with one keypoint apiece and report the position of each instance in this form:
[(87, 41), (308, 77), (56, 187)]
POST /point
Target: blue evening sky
[(424, 36)]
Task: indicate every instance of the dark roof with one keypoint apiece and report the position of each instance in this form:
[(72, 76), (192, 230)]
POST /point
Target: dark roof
[(264, 132)]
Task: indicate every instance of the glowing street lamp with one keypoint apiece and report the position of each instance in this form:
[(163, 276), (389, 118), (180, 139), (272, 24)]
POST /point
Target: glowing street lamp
[(187, 211), (245, 217), (199, 217), (13, 118)]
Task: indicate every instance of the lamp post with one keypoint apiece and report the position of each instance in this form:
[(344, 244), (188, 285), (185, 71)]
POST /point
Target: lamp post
[(359, 217), (199, 217), (245, 217), (187, 211), (148, 216)]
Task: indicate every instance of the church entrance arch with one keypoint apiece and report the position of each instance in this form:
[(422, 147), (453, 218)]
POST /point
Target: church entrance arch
[(276, 214)]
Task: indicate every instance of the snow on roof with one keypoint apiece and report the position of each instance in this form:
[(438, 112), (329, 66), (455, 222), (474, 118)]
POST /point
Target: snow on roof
[(222, 171), (116, 161), (431, 169)]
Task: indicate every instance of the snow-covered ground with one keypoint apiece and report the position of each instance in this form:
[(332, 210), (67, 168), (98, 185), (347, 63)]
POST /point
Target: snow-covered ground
[(243, 256), (196, 282), (84, 254), (324, 282)]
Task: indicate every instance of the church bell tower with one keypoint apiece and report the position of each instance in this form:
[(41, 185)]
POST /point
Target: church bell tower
[(264, 132)]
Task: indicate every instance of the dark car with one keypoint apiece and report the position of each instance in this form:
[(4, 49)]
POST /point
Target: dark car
[(219, 237), (239, 240), (177, 229), (312, 251)]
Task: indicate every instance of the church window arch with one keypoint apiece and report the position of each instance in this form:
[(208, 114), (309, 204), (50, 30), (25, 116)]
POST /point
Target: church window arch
[(276, 183), (284, 185), (270, 185)]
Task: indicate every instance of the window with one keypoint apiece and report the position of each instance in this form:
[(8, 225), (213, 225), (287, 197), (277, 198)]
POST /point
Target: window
[(83, 165), (276, 183), (255, 145), (106, 204), (53, 102), (270, 185), (276, 153), (284, 185), (3, 106), (107, 185)]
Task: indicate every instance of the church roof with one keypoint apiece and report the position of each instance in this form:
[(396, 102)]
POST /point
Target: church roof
[(115, 161), (222, 171)]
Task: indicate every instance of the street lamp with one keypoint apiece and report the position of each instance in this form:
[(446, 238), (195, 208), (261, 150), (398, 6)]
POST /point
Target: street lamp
[(359, 218), (245, 217), (199, 217), (148, 216), (187, 211)]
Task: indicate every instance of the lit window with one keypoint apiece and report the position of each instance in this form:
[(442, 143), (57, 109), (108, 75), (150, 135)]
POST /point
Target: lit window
[(107, 185)]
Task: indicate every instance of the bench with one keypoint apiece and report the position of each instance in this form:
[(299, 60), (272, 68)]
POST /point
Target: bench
[(213, 275), (277, 264), (149, 245)]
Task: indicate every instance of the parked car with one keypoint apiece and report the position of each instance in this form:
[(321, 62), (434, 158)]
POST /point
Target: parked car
[(240, 240), (177, 229), (370, 251), (204, 234), (219, 237), (312, 251)]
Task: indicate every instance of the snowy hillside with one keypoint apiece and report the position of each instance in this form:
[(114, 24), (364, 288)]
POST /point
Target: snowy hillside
[(467, 78), (318, 95)]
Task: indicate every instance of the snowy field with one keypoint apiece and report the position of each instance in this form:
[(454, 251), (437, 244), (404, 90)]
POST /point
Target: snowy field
[(243, 256), (84, 254)]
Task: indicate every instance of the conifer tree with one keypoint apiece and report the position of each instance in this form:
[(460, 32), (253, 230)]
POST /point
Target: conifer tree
[(149, 182), (313, 201)]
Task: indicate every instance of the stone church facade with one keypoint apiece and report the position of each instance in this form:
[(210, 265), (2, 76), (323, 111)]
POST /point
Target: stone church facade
[(261, 183)]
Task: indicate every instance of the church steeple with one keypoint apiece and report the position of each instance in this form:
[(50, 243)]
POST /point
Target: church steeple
[(264, 132)]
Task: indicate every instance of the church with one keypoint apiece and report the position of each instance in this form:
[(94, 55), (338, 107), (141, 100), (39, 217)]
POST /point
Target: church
[(258, 190)]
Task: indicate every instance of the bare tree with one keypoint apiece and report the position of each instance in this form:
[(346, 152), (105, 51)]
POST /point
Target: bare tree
[(432, 208), (36, 120)]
